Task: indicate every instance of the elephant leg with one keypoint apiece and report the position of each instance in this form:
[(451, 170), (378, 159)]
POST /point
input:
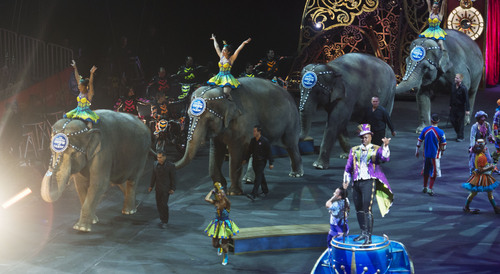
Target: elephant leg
[(424, 110), (235, 167), (98, 185), (250, 174), (82, 186), (331, 132), (217, 154), (129, 201), (344, 144), (292, 146)]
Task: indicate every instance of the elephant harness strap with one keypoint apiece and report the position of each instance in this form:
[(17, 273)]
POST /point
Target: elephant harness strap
[(422, 54), (198, 107), (307, 91)]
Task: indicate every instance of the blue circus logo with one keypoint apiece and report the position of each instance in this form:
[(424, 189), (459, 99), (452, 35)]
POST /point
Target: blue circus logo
[(309, 79), (417, 53), (198, 106), (59, 142)]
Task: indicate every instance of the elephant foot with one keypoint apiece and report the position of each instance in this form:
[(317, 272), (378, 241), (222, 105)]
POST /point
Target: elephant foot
[(81, 227), (95, 220), (420, 128), (344, 155), (129, 211), (320, 165), (232, 193), (296, 174)]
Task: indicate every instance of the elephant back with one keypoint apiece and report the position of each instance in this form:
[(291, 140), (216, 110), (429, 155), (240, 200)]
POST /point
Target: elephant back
[(378, 78)]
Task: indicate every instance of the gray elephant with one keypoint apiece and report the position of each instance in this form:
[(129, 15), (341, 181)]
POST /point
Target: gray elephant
[(426, 71), (344, 88), (114, 151), (230, 124)]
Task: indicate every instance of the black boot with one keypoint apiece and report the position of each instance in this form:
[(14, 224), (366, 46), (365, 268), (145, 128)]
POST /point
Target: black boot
[(369, 228), (362, 225)]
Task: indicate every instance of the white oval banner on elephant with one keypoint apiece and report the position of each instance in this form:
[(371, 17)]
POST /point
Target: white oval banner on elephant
[(433, 71), (344, 88), (114, 151), (229, 123)]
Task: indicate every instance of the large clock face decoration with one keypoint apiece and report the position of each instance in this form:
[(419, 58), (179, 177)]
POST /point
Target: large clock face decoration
[(468, 21)]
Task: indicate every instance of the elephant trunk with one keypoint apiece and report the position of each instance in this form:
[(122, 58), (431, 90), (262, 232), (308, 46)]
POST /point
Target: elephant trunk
[(198, 137), (306, 112), (413, 83), (52, 187)]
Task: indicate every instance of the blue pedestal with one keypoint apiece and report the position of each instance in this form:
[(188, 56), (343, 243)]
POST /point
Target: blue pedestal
[(306, 147), (382, 255)]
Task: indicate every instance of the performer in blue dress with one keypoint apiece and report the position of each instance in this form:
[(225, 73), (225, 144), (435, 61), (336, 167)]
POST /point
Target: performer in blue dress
[(224, 78), (84, 99), (221, 228), (434, 31)]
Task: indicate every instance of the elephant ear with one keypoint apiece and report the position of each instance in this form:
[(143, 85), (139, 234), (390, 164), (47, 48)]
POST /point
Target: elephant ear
[(445, 63), (94, 143), (338, 88), (232, 111)]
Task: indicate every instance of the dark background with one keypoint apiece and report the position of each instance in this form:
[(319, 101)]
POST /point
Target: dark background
[(183, 27)]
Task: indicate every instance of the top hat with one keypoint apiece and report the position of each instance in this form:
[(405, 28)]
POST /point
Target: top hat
[(364, 129), (435, 118), (481, 113)]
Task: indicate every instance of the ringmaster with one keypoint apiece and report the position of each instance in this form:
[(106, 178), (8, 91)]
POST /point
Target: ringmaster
[(363, 168)]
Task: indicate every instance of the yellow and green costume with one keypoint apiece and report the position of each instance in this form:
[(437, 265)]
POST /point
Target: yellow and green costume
[(434, 31), (222, 227), (224, 77), (83, 111)]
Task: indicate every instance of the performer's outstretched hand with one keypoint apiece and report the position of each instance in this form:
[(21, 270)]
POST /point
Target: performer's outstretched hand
[(386, 141)]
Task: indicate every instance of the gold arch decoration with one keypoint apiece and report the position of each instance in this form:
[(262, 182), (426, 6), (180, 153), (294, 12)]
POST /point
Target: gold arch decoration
[(333, 28)]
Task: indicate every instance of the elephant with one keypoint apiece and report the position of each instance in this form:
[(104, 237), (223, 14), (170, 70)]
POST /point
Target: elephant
[(344, 88), (229, 123), (428, 70), (114, 151)]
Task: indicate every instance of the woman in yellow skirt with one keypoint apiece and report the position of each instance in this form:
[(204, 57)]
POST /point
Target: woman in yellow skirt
[(84, 99), (224, 78), (434, 31), (221, 228)]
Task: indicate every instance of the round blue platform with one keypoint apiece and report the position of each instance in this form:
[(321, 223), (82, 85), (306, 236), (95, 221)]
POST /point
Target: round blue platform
[(381, 256)]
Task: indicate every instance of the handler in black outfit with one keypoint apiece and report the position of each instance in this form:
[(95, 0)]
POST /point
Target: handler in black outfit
[(377, 117), (163, 180), (260, 150), (459, 106)]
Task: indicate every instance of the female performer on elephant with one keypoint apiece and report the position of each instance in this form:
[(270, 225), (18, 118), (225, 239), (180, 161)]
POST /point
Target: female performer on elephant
[(224, 78), (434, 31), (221, 228), (86, 88)]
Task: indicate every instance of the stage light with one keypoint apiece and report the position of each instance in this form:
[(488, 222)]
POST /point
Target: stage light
[(318, 25), (16, 198)]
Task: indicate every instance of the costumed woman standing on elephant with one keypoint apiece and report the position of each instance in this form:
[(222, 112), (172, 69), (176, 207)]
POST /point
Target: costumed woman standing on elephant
[(84, 99), (221, 228), (224, 78), (434, 31)]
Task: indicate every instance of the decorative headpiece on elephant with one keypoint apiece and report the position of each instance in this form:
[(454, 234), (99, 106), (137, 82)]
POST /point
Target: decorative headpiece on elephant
[(113, 152), (344, 88), (229, 124), (426, 75)]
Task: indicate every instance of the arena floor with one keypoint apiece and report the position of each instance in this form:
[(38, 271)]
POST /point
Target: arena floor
[(37, 237)]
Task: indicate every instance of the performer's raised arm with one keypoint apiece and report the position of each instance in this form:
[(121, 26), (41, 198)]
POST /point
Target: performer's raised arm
[(216, 46)]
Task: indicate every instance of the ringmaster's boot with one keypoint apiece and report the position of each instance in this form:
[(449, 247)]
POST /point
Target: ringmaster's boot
[(369, 228), (360, 215)]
